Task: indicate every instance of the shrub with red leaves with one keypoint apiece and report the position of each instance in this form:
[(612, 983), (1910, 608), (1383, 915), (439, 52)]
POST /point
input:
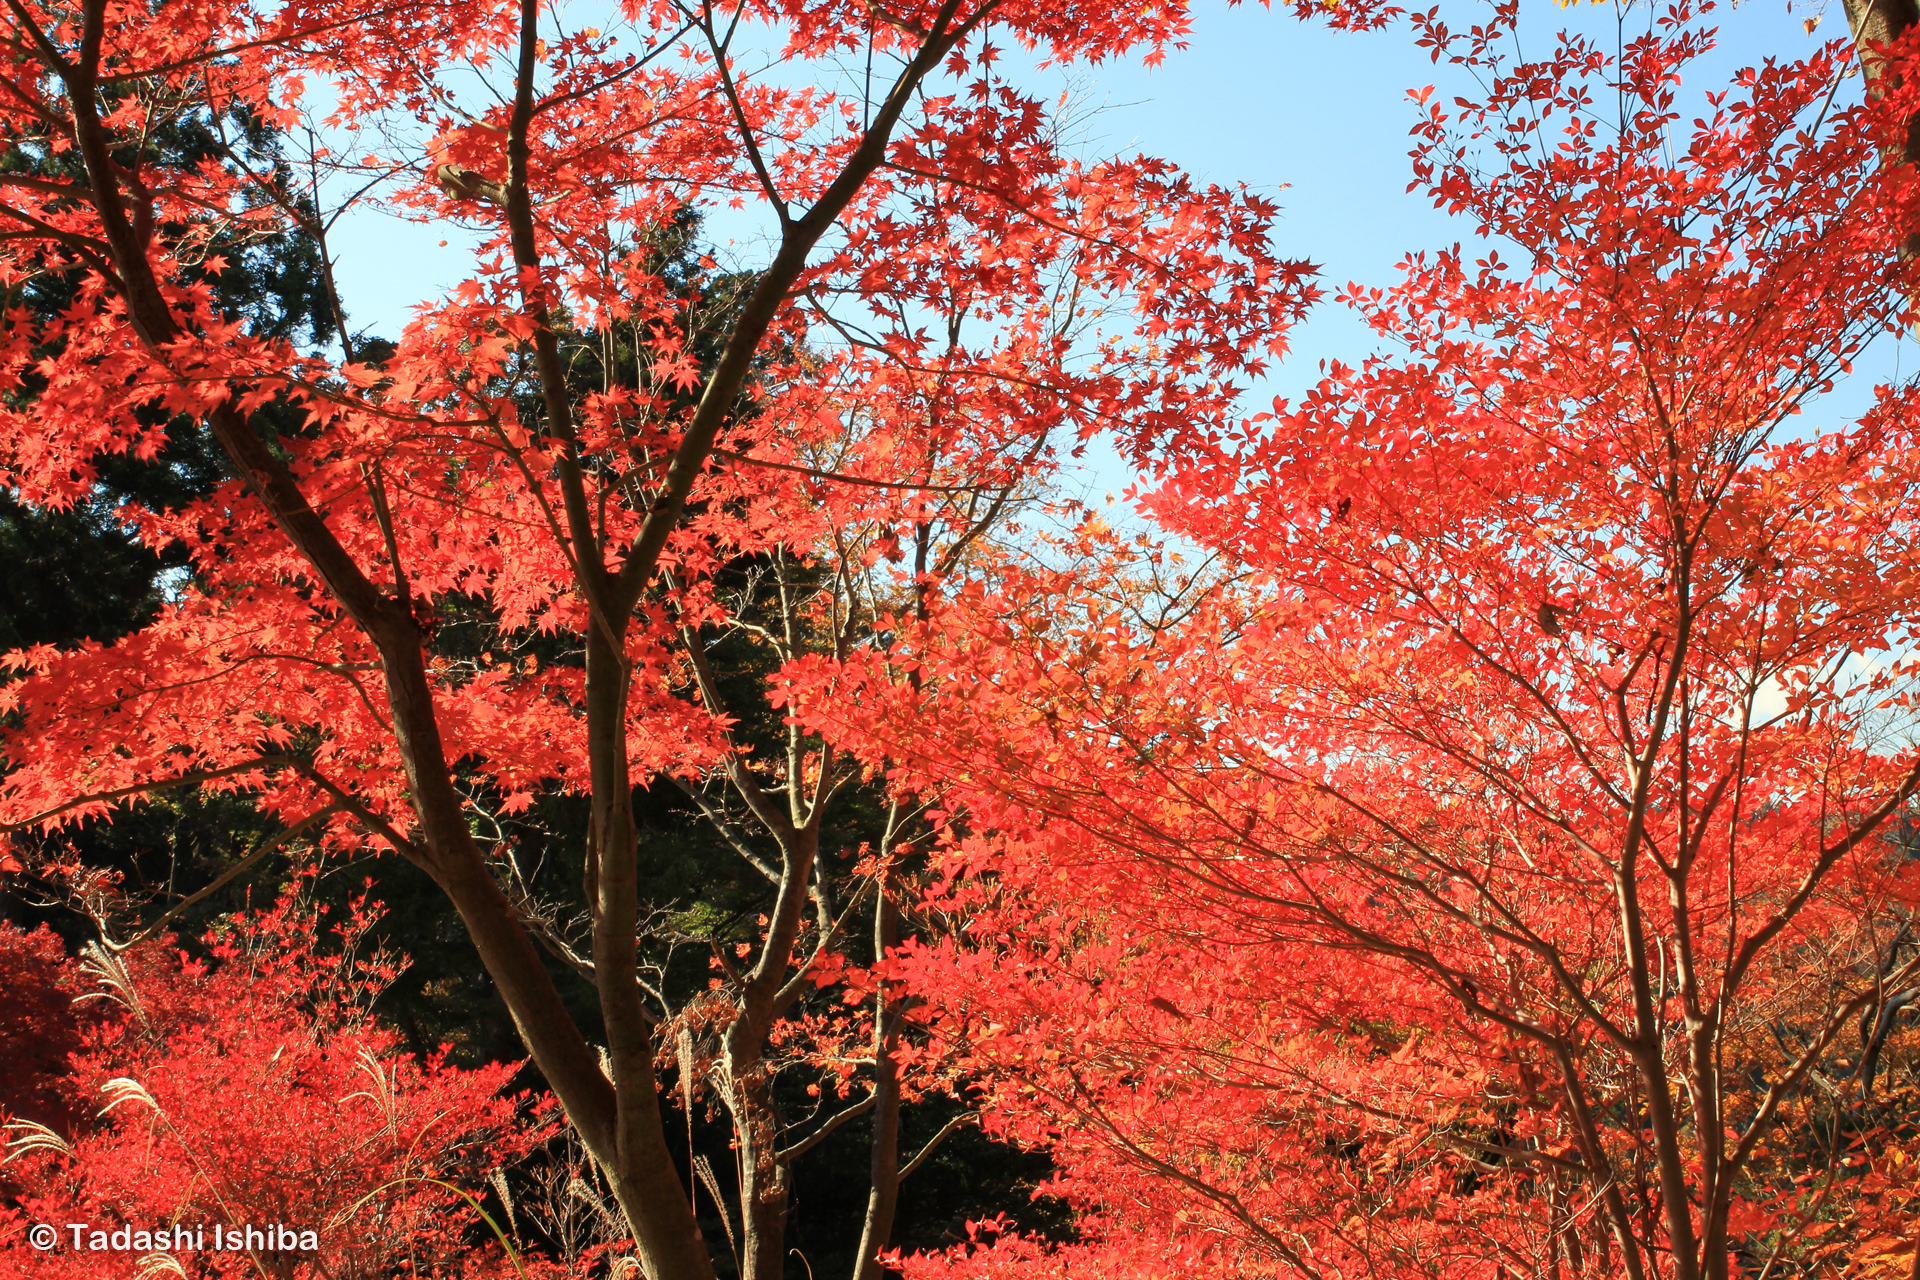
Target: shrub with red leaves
[(252, 1088)]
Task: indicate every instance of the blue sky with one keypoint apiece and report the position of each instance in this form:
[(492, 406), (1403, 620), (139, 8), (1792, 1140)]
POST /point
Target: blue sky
[(1264, 99)]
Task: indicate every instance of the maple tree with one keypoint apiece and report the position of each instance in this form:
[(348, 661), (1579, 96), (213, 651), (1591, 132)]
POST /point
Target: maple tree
[(248, 1089), (586, 536), (1489, 858)]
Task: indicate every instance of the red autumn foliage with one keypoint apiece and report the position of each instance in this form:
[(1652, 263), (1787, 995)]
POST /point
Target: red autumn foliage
[(1485, 871), (950, 295), (1492, 863), (251, 1088), (39, 1028)]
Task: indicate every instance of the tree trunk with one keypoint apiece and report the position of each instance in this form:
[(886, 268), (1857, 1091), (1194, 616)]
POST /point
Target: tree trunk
[(656, 1204), (883, 1193), (1874, 23), (766, 1179)]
